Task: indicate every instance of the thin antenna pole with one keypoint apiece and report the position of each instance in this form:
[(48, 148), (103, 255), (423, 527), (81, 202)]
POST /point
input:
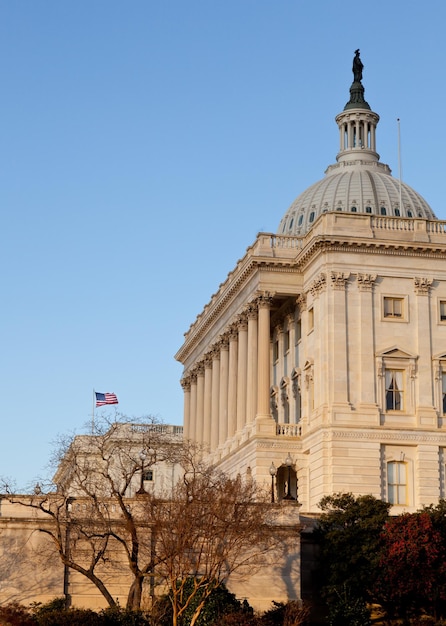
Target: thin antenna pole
[(399, 165), (92, 413)]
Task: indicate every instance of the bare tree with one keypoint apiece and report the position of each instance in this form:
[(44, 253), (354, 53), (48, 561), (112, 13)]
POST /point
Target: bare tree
[(98, 526), (211, 528), (107, 524)]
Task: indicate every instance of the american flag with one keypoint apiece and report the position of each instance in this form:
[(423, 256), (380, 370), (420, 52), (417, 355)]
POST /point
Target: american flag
[(105, 398)]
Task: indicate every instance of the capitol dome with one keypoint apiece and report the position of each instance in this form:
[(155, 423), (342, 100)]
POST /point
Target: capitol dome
[(358, 182)]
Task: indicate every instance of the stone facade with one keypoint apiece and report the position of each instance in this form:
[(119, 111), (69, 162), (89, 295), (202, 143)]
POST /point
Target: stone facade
[(323, 354)]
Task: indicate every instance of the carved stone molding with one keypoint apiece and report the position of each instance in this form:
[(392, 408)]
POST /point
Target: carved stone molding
[(242, 322), (264, 301), (366, 281), (223, 342), (284, 383), (215, 352), (295, 381), (251, 311), (233, 332), (185, 383), (301, 301), (422, 285), (318, 285), (199, 369), (388, 436), (339, 280)]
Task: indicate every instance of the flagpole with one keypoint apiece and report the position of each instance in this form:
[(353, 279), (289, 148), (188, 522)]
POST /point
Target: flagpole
[(92, 414), (399, 166)]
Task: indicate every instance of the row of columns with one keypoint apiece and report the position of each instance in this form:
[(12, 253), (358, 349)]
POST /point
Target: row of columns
[(230, 385)]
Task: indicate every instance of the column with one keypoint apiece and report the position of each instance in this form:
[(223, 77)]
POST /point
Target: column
[(207, 412), (242, 368), (193, 407), (224, 380), (251, 374), (366, 372), (423, 373), (185, 383), (263, 373), (232, 382), (200, 404), (215, 396), (338, 338)]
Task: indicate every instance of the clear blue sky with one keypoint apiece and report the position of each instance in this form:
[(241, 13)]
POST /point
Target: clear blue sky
[(143, 144)]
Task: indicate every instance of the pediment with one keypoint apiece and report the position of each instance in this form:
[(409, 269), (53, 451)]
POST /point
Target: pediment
[(396, 352)]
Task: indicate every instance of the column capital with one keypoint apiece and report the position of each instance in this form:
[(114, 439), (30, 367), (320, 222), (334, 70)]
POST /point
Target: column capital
[(223, 342), (199, 368), (301, 300), (365, 281), (278, 327), (242, 322), (339, 280), (207, 360), (318, 284), (215, 352), (422, 285), (251, 311), (264, 301), (233, 333), (185, 383)]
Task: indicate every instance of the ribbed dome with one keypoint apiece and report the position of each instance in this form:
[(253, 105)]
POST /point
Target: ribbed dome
[(358, 182)]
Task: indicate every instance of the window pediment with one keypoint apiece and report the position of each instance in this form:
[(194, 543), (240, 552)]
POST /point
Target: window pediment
[(396, 353)]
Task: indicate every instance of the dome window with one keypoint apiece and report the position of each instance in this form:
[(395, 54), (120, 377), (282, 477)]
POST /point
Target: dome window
[(311, 218), (383, 210), (409, 214), (339, 208), (397, 212), (353, 209), (301, 219), (291, 223), (368, 209)]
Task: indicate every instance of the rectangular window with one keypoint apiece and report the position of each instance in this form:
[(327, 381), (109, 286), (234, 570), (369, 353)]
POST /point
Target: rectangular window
[(148, 475), (442, 310), (397, 482), (298, 330), (310, 319), (286, 341), (275, 351), (393, 307), (394, 390)]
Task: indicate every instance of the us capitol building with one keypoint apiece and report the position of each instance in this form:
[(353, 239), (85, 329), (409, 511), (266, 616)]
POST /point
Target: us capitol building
[(319, 365)]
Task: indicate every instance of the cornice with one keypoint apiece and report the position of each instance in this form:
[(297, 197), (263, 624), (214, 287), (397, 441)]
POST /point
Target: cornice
[(283, 260)]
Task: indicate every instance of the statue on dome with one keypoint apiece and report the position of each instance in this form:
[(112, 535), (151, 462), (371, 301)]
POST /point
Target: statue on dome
[(357, 67)]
